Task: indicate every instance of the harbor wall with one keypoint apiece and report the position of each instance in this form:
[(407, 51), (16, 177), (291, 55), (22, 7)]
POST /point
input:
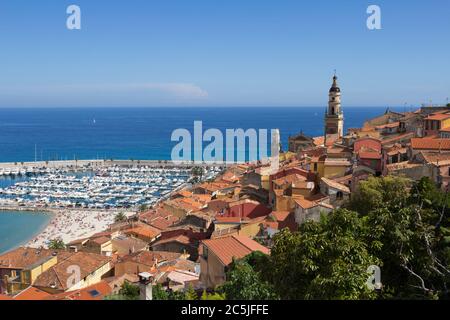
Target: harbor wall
[(101, 163)]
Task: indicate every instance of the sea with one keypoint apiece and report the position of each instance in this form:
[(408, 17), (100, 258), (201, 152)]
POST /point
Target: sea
[(46, 134)]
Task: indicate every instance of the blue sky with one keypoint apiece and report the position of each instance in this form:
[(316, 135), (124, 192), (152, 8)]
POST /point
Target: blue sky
[(222, 53)]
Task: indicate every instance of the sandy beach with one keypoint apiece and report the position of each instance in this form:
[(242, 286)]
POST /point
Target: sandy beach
[(70, 225)]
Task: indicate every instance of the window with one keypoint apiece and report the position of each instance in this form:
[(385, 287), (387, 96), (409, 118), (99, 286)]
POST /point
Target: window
[(339, 195), (315, 167)]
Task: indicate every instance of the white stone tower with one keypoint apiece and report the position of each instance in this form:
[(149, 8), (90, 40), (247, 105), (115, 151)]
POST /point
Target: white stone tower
[(334, 117)]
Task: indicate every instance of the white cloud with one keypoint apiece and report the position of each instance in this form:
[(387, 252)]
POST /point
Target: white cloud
[(180, 90), (177, 91)]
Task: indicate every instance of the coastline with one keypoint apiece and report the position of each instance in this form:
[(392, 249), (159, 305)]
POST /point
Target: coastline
[(73, 224), (70, 224), (29, 236), (67, 224)]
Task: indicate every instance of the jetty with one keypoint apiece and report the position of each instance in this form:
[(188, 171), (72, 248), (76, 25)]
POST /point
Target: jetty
[(95, 184)]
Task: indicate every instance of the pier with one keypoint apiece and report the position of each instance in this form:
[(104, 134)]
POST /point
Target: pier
[(71, 164), (95, 184)]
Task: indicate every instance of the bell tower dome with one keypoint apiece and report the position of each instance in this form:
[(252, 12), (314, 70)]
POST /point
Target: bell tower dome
[(334, 117)]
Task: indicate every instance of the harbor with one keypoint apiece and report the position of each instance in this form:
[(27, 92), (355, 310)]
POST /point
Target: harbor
[(84, 197), (92, 184)]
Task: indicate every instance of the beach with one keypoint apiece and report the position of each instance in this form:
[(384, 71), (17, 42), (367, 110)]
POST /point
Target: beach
[(69, 225)]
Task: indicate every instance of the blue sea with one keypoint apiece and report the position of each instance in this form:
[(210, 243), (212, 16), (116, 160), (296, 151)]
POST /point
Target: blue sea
[(17, 228), (142, 133), (125, 133)]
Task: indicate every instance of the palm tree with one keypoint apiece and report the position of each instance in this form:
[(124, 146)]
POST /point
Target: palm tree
[(120, 217), (56, 244)]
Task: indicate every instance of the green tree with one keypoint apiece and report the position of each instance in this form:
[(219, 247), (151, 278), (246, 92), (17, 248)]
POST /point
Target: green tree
[(212, 296), (120, 217), (129, 291), (244, 283), (190, 294), (159, 293), (408, 233), (56, 244), (324, 260), (387, 192)]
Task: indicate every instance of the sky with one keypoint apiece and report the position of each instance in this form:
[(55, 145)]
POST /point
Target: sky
[(222, 53)]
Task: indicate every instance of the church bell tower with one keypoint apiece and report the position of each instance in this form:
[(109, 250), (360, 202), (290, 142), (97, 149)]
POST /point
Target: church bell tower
[(334, 117)]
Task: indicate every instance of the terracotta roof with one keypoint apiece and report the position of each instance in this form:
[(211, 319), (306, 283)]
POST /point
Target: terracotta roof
[(146, 232), (337, 162), (289, 179), (319, 141), (97, 291), (4, 297), (439, 116), (227, 248), (22, 257), (101, 240), (344, 179), (305, 204), (283, 219), (369, 155), (388, 125), (399, 137), (149, 258), (182, 276), (179, 238), (220, 219), (32, 293), (56, 277), (127, 243), (402, 165), (436, 158), (280, 215), (318, 197), (336, 185), (397, 151), (430, 144), (213, 186)]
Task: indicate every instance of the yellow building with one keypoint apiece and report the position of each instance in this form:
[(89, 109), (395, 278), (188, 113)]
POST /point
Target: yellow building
[(21, 267), (330, 167)]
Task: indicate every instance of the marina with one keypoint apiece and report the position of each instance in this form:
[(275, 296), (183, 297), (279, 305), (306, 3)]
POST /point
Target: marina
[(84, 197), (94, 185)]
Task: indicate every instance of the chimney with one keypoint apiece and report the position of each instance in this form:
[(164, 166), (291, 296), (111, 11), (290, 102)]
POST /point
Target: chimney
[(146, 286)]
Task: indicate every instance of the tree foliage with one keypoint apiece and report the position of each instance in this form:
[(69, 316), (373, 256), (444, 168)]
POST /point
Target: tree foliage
[(399, 225), (120, 217), (56, 244), (409, 223), (212, 296), (130, 291), (325, 260), (244, 283)]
